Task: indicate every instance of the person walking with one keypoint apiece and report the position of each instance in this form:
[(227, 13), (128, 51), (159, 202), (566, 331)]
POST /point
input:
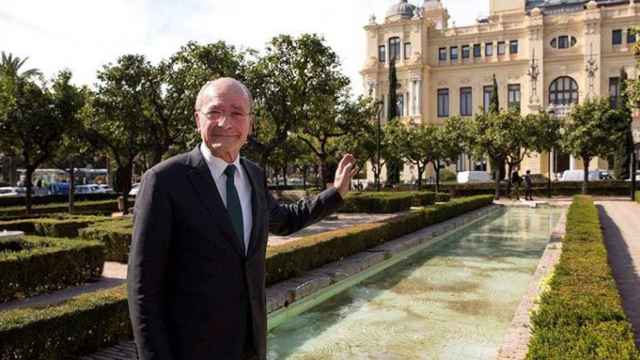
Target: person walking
[(515, 183), (528, 186)]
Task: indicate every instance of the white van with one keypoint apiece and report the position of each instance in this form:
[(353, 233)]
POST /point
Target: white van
[(465, 177), (578, 175)]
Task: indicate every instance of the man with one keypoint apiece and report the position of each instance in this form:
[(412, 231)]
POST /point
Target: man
[(528, 186), (515, 182), (196, 276)]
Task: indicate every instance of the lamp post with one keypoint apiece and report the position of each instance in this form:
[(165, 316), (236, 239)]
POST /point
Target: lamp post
[(552, 112), (379, 105), (635, 131)]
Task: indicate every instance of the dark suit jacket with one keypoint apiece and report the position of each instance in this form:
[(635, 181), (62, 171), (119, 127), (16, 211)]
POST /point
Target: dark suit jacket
[(193, 294)]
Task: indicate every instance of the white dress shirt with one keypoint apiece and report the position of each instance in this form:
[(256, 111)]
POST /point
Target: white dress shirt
[(243, 186)]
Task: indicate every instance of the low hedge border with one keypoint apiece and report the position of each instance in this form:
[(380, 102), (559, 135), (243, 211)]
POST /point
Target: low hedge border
[(558, 188), (38, 265), (65, 226), (294, 258), (377, 203), (386, 202), (55, 199), (104, 207), (581, 316), (81, 325), (115, 235), (638, 196), (442, 197)]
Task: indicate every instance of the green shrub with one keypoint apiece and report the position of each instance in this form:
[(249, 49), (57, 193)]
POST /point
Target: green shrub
[(442, 197), (66, 226), (37, 265), (581, 316), (638, 196), (103, 207), (293, 258), (378, 202), (569, 188), (79, 326), (423, 198), (115, 235)]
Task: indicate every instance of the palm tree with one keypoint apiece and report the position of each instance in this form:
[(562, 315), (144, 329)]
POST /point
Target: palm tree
[(10, 66)]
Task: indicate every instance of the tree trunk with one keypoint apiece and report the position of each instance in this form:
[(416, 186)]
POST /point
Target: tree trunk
[(509, 183), (284, 176), (376, 176), (437, 170), (72, 189), (123, 175), (585, 180), (420, 170), (305, 170), (29, 185), (324, 172)]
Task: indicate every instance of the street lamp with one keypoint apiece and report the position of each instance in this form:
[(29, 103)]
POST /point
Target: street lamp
[(379, 106), (635, 131), (552, 113)]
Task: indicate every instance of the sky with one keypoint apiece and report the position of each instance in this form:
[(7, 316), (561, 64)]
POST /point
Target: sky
[(84, 35)]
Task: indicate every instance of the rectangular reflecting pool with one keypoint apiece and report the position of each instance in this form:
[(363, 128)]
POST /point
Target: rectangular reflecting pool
[(453, 300)]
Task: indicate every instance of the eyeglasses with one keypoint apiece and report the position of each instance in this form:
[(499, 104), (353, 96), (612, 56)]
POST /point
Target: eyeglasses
[(217, 115)]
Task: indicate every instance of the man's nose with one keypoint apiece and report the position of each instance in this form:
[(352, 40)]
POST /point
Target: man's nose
[(224, 121)]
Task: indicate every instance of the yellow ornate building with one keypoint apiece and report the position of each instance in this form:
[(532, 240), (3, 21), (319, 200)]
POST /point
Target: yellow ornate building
[(546, 54)]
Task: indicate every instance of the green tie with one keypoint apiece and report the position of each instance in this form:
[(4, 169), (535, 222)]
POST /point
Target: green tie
[(233, 204)]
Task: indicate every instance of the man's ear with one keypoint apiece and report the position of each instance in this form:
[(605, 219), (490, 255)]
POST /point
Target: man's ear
[(196, 117)]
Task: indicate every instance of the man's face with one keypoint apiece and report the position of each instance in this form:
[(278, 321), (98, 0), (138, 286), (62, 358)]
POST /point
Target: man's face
[(223, 120)]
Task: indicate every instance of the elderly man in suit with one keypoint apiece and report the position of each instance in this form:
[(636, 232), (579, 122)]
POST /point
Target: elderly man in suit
[(196, 274)]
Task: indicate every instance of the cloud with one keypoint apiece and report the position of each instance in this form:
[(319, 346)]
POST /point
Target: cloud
[(84, 35)]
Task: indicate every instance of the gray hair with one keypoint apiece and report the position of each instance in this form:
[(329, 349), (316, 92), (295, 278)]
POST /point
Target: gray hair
[(212, 83)]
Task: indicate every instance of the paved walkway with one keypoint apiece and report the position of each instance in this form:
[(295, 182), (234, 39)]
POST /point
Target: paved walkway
[(621, 226)]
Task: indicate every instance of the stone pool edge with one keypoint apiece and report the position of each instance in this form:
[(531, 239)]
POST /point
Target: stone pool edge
[(515, 344), (292, 291)]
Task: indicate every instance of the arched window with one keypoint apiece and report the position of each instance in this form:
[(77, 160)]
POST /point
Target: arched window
[(563, 91)]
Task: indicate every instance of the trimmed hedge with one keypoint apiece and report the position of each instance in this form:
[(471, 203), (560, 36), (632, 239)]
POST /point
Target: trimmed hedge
[(66, 226), (55, 199), (377, 203), (293, 258), (37, 265), (116, 236), (386, 202), (558, 188), (638, 196), (442, 197), (104, 207), (81, 325), (581, 316)]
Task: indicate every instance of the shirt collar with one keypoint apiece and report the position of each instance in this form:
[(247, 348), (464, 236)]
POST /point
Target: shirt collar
[(216, 165)]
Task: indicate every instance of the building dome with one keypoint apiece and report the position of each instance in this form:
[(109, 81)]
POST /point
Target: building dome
[(402, 9)]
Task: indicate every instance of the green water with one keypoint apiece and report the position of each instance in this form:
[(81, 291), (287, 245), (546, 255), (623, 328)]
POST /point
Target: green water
[(454, 300)]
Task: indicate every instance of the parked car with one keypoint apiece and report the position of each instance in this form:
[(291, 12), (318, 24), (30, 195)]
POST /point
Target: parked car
[(134, 189), (578, 175), (12, 191), (105, 189), (466, 177), (59, 188), (87, 189)]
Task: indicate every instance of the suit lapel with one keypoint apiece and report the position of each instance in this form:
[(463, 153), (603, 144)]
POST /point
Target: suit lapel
[(256, 205), (204, 185)]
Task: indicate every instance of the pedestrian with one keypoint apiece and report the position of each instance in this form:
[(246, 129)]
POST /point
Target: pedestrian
[(515, 183), (528, 185)]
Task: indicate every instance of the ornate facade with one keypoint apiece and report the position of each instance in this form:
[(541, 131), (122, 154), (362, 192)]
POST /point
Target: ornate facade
[(545, 54)]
